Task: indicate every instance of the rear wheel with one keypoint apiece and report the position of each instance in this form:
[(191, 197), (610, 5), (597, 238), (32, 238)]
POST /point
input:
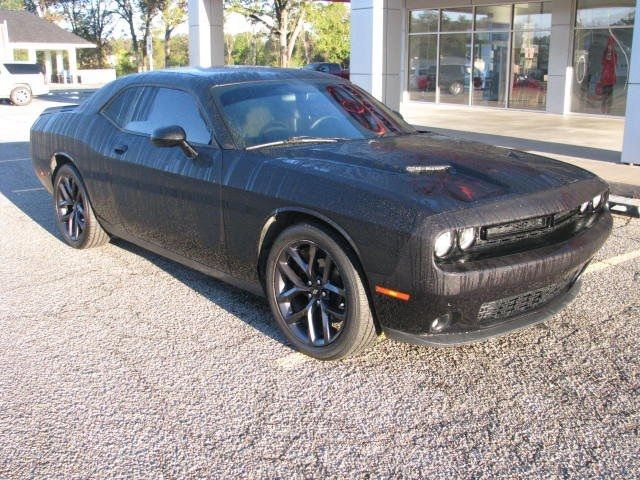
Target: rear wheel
[(74, 215), (21, 95), (317, 295)]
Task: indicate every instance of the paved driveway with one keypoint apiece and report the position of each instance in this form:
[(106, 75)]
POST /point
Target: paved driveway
[(117, 363)]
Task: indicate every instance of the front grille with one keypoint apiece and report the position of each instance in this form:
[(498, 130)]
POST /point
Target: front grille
[(517, 304), (523, 230), (514, 228)]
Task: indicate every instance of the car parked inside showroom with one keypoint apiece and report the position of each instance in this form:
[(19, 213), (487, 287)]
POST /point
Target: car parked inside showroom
[(303, 188)]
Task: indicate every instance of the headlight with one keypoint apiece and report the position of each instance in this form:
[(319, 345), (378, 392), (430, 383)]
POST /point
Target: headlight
[(596, 201), (444, 243), (583, 207), (466, 238)]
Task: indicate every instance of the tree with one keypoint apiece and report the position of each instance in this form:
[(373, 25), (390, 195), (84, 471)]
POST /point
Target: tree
[(284, 19), (174, 13), (93, 21), (126, 11), (139, 13), (42, 8), (329, 32), (11, 5), (148, 9)]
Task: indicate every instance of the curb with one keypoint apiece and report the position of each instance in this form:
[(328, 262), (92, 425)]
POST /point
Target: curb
[(624, 206)]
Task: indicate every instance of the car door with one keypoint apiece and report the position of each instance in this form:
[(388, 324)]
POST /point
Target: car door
[(162, 196)]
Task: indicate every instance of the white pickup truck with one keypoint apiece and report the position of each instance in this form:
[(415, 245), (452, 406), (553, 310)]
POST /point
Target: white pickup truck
[(19, 82)]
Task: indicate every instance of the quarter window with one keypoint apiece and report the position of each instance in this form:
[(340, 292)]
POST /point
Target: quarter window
[(144, 109)]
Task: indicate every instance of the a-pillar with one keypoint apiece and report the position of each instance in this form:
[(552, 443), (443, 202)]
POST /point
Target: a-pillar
[(73, 65), (631, 142), (206, 35), (376, 44)]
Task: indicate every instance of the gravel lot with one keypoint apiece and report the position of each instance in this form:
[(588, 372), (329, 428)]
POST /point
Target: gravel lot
[(117, 363)]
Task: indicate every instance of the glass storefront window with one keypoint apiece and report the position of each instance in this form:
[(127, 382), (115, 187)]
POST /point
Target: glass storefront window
[(529, 69), (493, 18), (494, 55), (601, 53), (532, 16), (455, 67), (605, 13), (422, 67), (490, 62), (601, 70), (457, 19), (423, 21)]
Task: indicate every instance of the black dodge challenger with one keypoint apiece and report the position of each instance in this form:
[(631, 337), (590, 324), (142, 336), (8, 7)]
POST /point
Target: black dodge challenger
[(302, 187)]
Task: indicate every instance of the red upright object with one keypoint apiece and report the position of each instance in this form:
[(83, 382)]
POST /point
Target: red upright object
[(609, 62)]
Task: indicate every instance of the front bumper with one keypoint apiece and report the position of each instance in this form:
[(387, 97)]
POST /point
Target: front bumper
[(460, 293), (509, 325)]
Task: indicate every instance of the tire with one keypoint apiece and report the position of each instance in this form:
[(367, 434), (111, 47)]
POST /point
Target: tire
[(456, 88), (21, 95), (336, 305), (73, 213)]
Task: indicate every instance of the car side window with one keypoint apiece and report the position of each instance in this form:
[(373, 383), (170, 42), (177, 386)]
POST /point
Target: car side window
[(144, 109), (120, 108)]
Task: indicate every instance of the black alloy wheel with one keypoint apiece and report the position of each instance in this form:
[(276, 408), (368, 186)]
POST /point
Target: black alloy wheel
[(74, 214), (70, 207), (310, 293), (316, 293)]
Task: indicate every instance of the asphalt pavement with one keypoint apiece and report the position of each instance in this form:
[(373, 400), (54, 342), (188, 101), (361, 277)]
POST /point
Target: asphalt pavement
[(117, 363)]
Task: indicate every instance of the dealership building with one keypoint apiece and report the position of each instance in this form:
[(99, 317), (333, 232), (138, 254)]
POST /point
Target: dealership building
[(571, 57)]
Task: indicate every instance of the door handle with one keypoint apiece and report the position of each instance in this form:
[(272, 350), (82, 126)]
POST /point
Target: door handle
[(120, 149)]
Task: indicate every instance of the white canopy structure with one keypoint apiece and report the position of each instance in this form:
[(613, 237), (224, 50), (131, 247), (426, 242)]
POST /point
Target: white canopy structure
[(24, 31)]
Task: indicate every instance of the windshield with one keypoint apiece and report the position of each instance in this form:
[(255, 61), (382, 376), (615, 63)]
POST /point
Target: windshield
[(268, 112)]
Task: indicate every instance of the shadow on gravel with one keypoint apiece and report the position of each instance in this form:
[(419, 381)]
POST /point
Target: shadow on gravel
[(19, 184), (249, 308)]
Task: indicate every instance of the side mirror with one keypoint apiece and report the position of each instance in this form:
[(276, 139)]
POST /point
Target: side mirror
[(173, 136)]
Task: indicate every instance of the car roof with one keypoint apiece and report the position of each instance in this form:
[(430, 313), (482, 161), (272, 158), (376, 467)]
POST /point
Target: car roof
[(225, 75), (199, 79)]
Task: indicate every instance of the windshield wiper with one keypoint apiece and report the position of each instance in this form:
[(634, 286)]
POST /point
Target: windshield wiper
[(296, 140)]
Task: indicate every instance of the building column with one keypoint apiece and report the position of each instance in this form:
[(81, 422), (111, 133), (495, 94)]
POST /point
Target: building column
[(206, 35), (48, 67), (631, 141), (560, 77), (6, 52), (73, 65), (60, 66), (376, 44), (31, 55)]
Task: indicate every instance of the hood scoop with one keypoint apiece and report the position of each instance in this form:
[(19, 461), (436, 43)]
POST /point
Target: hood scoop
[(427, 169)]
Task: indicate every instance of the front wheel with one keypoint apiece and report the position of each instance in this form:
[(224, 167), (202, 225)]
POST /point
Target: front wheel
[(317, 295), (21, 96), (74, 216)]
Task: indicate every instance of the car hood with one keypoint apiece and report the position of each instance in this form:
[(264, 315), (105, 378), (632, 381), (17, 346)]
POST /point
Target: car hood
[(433, 168)]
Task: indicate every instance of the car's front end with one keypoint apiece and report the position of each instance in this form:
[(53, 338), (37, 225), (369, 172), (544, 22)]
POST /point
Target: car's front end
[(482, 271)]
